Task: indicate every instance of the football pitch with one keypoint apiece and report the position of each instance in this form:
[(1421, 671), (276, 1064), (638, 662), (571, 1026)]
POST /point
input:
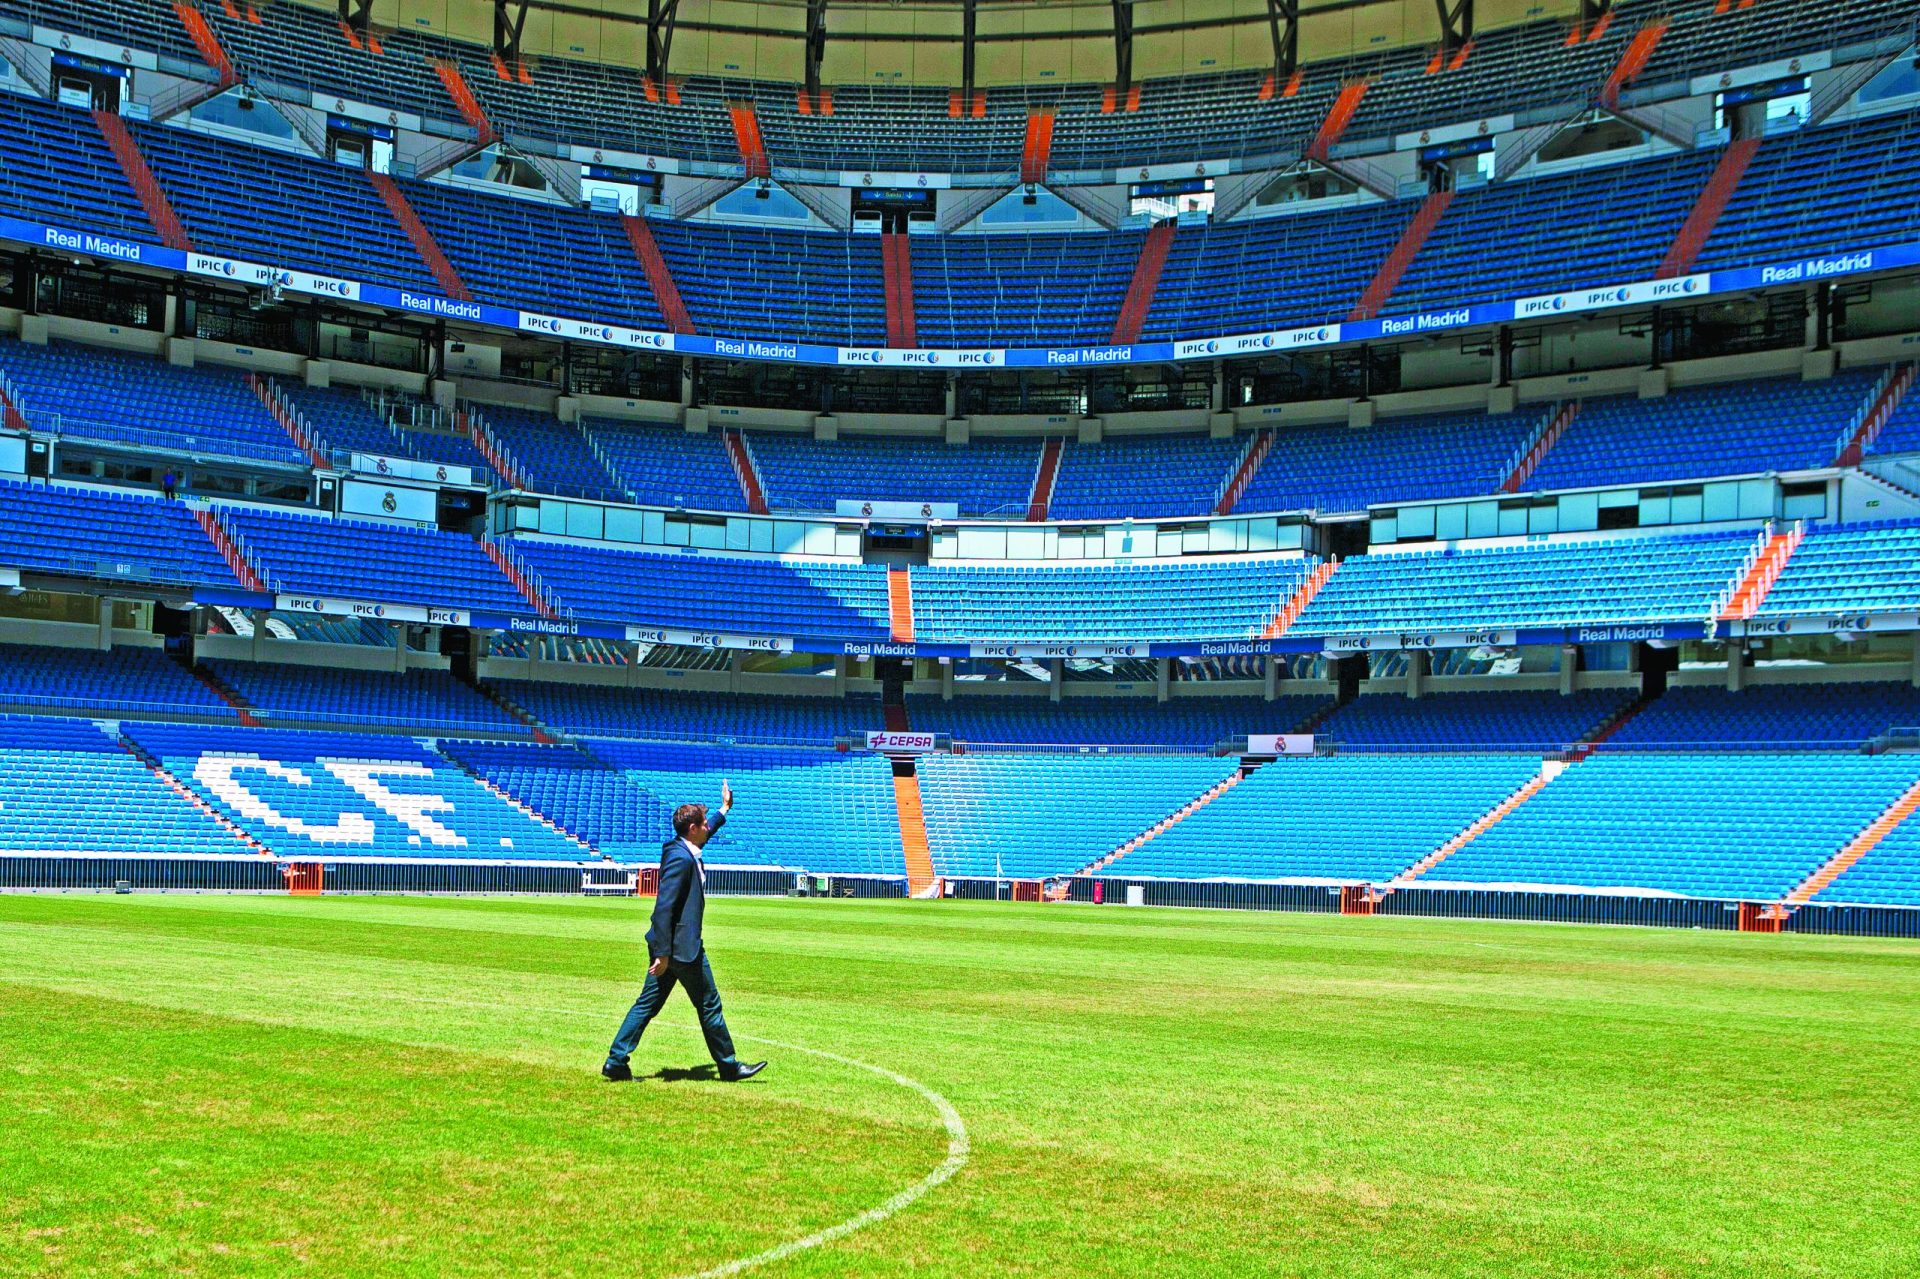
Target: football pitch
[(382, 1086)]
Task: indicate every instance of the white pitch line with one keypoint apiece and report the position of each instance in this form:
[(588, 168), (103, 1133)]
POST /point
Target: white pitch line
[(959, 1147)]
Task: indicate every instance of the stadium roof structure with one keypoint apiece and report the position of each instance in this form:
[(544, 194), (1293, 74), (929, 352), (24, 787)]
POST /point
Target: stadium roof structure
[(953, 43)]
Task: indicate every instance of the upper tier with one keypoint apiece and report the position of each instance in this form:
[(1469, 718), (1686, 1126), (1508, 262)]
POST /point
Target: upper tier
[(1846, 186)]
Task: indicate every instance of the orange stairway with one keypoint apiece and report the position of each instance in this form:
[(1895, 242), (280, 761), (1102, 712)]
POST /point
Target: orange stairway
[(1044, 475), (746, 133), (206, 42), (659, 278), (1302, 596), (1243, 472), (216, 531), (1857, 847), (1633, 59), (1146, 279), (1486, 821), (1706, 210), (1761, 575), (1528, 460), (900, 604), (1880, 406), (1168, 822), (1037, 150), (897, 275), (1339, 116), (509, 567), (423, 242), (746, 472), (152, 198), (1401, 256), (465, 101), (921, 881), (314, 448)]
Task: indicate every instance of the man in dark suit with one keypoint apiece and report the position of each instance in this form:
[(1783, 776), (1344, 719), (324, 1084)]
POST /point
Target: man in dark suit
[(676, 951)]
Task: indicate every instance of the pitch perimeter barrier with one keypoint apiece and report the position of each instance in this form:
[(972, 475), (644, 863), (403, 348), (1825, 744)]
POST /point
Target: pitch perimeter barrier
[(31, 873)]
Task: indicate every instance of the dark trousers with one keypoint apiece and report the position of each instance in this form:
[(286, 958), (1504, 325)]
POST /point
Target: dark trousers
[(697, 977)]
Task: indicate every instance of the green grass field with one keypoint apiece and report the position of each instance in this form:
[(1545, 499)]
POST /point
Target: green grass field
[(343, 1087)]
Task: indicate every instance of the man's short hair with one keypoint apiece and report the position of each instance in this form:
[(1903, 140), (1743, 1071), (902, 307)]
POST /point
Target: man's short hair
[(687, 816)]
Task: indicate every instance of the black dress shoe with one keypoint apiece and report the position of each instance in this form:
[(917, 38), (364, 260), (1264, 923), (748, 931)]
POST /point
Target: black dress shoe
[(616, 1074), (745, 1070)]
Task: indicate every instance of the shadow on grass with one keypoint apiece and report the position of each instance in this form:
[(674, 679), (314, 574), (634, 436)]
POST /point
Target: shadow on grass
[(681, 1074)]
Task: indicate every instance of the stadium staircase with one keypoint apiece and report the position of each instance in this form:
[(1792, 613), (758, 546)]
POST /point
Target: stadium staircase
[(1259, 444), (666, 293), (1856, 848), (513, 709), (747, 471), (231, 548), (12, 412), (166, 778), (1171, 820), (1339, 116), (465, 102), (897, 272), (510, 567), (1302, 596), (1536, 447), (290, 421), (1037, 150), (1549, 769), (1045, 474), (1761, 574), (914, 849), (211, 680), (746, 134), (513, 801), (900, 606), (1633, 60), (475, 427), (154, 200), (1401, 256), (1613, 724), (1860, 435), (1146, 279), (1579, 33), (1706, 211), (423, 242), (206, 42)]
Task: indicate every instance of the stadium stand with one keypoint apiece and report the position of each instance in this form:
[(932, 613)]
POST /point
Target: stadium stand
[(823, 811), (1574, 583), (1024, 289), (1889, 874), (106, 533), (67, 788), (766, 597), (1702, 824), (1815, 716), (425, 699), (1119, 721), (688, 715), (116, 679), (579, 793), (90, 393), (985, 477), (361, 560), (666, 466), (1336, 818), (58, 168), (1342, 468), (550, 456), (1072, 604), (1778, 424), (1030, 815), (327, 795), (1142, 475), (1490, 720), (1849, 568)]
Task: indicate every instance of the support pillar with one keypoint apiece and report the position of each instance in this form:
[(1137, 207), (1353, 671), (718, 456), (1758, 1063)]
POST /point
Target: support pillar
[(1272, 677), (1056, 678), (840, 665), (103, 639), (259, 618), (399, 647), (1736, 665), (946, 680), (1417, 663), (1163, 677), (1569, 667)]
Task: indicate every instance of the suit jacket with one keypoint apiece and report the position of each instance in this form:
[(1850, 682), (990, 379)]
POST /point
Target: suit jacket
[(681, 904)]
